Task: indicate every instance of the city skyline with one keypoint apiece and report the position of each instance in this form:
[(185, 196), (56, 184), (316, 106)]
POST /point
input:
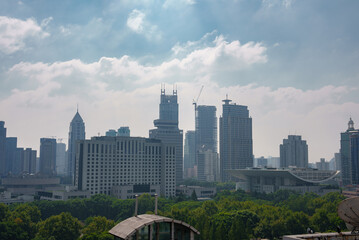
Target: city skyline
[(293, 63)]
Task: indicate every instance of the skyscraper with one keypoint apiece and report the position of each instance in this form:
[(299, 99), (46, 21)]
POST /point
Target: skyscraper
[(11, 145), (29, 162), (189, 156), (48, 156), (206, 142), (167, 129), (76, 132), (354, 156), (236, 144), (294, 152), (2, 148), (346, 163), (61, 158)]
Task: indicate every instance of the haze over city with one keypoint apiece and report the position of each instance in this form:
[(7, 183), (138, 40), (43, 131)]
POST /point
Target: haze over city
[(293, 63)]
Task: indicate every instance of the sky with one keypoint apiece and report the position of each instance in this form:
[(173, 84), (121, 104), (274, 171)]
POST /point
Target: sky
[(293, 63)]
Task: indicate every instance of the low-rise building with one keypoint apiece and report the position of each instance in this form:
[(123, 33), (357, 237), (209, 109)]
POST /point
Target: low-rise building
[(201, 192), (125, 166), (269, 180)]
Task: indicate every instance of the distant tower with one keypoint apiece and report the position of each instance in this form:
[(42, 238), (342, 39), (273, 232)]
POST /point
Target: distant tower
[(167, 129), (48, 156), (345, 153), (11, 164), (76, 132), (189, 156), (294, 152), (236, 143), (61, 158), (206, 143), (2, 148), (123, 131), (354, 156)]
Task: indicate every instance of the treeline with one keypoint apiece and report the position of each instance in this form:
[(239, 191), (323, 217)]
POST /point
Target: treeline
[(231, 215)]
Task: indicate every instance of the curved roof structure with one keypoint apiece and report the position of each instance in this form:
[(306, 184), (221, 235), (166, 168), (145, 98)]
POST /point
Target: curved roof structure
[(128, 227), (298, 174)]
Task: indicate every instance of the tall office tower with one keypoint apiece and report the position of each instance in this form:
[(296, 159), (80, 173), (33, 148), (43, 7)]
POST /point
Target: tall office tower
[(354, 156), (346, 168), (294, 152), (19, 161), (206, 128), (29, 162), (167, 129), (77, 132), (11, 145), (2, 148), (206, 142), (189, 157), (61, 158), (338, 163), (125, 166), (48, 156), (235, 134), (123, 132)]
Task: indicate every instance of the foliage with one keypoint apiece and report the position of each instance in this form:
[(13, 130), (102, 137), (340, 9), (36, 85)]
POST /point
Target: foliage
[(62, 226)]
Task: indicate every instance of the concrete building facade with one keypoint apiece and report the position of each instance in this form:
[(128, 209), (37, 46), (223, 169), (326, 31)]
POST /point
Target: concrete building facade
[(294, 152), (167, 129), (125, 166), (236, 143)]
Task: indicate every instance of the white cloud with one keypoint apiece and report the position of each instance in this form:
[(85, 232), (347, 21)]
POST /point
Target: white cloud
[(121, 91), (137, 22), (14, 32)]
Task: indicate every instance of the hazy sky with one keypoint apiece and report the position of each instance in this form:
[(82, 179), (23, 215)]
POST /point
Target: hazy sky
[(295, 64)]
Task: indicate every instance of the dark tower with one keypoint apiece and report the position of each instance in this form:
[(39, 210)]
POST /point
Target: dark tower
[(167, 129)]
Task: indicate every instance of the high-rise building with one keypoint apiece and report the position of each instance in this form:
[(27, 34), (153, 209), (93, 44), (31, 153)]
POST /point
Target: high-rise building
[(125, 166), (19, 161), (10, 149), (346, 163), (206, 142), (167, 129), (236, 143), (48, 156), (322, 165), (29, 161), (2, 148), (189, 156), (61, 158), (294, 152), (123, 132), (354, 156), (76, 132)]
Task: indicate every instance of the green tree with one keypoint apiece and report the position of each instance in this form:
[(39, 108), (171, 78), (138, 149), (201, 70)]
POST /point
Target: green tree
[(97, 228), (194, 196), (62, 226)]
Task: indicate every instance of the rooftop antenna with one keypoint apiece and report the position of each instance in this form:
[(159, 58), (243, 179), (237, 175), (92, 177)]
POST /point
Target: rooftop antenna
[(77, 108), (163, 89), (174, 89), (226, 101)]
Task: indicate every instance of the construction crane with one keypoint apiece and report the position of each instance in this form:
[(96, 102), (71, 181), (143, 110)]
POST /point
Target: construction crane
[(196, 101)]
